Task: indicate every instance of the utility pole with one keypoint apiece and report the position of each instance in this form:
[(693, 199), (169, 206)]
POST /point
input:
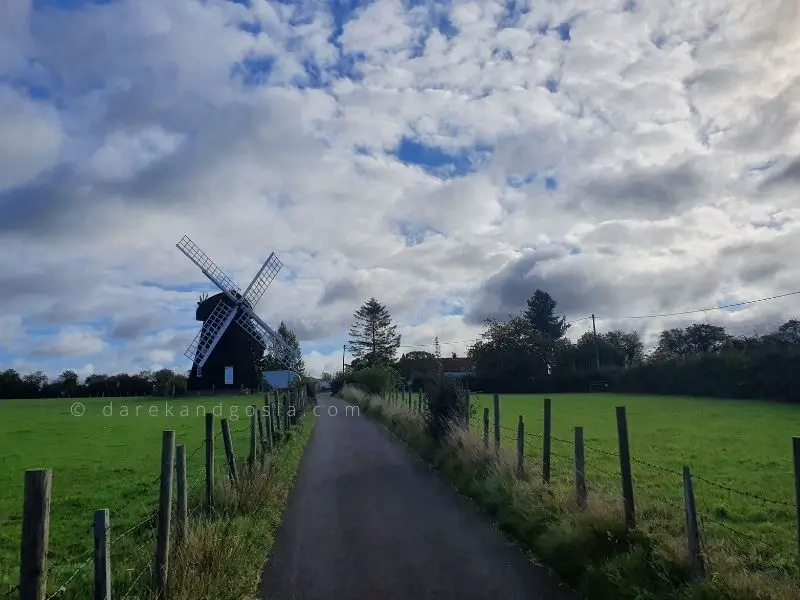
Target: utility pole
[(344, 348), (596, 345)]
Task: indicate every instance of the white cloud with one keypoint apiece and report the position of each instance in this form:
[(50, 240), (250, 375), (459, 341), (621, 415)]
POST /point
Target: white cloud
[(11, 329), (31, 134), (68, 343), (669, 133)]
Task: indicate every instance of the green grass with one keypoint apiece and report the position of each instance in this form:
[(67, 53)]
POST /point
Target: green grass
[(744, 445), (102, 459), (591, 549)]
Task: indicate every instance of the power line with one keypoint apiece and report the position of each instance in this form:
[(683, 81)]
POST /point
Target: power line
[(672, 314), (699, 310), (474, 339)]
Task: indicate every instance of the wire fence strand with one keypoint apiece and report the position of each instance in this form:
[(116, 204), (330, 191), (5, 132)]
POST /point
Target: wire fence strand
[(63, 587)]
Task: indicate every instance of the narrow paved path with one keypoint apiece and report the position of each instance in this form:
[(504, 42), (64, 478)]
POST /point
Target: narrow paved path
[(366, 520)]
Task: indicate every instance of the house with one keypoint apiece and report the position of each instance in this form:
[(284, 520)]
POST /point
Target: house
[(456, 367)]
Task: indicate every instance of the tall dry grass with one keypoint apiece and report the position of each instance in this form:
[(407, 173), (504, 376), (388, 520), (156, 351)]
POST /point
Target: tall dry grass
[(222, 555), (590, 548)]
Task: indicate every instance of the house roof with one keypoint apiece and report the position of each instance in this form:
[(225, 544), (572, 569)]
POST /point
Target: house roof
[(456, 365)]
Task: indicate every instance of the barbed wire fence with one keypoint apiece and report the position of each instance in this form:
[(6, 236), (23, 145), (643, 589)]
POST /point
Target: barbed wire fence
[(538, 455), (276, 417), (707, 521)]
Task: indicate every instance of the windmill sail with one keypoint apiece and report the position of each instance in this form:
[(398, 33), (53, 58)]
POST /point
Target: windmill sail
[(261, 332), (209, 268), (211, 333), (268, 272)]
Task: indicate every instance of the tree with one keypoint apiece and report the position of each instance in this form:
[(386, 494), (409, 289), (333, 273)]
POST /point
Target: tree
[(271, 362), (700, 338), (11, 385), (508, 353), (545, 330), (373, 338), (540, 316), (34, 383), (789, 333), (625, 348), (68, 382), (417, 367), (703, 338), (326, 376)]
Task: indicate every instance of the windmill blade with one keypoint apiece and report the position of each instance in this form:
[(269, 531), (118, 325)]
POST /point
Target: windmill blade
[(209, 269), (261, 333), (268, 272), (210, 333)]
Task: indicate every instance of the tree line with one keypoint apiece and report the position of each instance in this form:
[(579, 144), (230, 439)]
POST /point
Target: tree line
[(163, 382), (530, 353)]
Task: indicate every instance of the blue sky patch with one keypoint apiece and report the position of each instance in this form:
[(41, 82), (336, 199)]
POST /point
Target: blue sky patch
[(517, 181), (254, 70), (412, 236), (67, 4), (189, 287), (551, 183), (564, 31), (437, 161), (513, 11)]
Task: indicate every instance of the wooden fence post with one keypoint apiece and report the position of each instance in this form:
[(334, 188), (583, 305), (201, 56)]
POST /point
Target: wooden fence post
[(226, 440), (102, 556), (486, 428), (251, 456), (268, 417), (496, 400), (261, 435), (520, 448), (581, 496), (35, 534), (796, 457), (625, 468), (692, 530), (182, 513), (467, 422), (546, 439), (209, 462), (278, 423), (164, 510)]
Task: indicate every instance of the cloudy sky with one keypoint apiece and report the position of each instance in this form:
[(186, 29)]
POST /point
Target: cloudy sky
[(631, 157)]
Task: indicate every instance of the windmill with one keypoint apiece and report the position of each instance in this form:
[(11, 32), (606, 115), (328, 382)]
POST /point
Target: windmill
[(225, 356)]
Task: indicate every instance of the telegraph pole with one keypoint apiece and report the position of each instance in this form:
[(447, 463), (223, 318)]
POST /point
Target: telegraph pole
[(344, 348), (596, 345)]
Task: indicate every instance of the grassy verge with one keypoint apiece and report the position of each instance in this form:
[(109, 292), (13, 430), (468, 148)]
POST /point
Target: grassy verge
[(591, 549), (222, 557), (109, 456)]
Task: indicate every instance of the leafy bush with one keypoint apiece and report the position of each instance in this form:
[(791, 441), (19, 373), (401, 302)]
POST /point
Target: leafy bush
[(311, 389), (375, 380), (447, 407), (338, 381)]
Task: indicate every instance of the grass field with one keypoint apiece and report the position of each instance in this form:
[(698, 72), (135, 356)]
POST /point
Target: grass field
[(743, 445), (106, 458)]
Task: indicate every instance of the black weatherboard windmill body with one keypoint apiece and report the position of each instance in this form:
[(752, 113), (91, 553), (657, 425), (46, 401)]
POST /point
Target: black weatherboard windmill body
[(228, 349)]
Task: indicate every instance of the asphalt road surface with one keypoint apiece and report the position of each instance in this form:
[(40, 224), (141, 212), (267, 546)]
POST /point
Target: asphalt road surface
[(366, 520)]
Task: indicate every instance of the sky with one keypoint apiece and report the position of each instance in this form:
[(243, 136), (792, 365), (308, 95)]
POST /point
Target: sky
[(630, 157)]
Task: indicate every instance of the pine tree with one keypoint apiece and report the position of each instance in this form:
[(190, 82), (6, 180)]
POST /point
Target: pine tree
[(373, 338), (271, 363), (540, 315)]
